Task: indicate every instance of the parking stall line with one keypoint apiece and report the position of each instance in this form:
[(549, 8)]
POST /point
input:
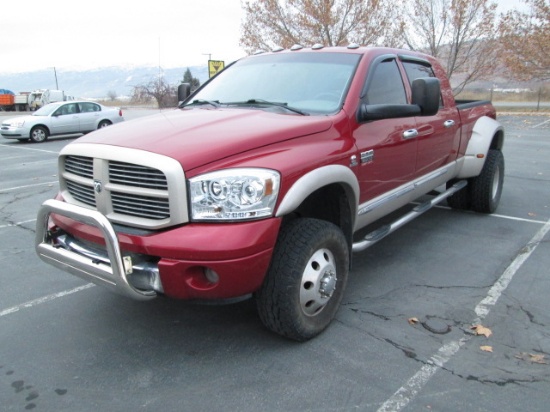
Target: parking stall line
[(416, 383), (11, 189), (44, 299), (29, 148), (540, 124), (17, 223)]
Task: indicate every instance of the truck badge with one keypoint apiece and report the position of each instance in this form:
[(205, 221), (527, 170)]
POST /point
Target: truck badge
[(97, 186)]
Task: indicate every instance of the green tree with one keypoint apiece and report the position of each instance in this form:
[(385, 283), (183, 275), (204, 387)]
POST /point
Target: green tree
[(193, 81)]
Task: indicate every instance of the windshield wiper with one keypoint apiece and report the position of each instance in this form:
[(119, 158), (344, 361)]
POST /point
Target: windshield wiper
[(268, 103), (215, 103)]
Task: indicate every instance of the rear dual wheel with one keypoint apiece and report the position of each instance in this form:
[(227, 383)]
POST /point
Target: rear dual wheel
[(305, 283), (482, 194)]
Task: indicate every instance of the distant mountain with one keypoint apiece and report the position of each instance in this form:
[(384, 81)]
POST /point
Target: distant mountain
[(96, 83)]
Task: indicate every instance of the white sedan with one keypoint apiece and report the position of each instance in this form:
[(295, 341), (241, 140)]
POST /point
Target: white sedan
[(60, 118)]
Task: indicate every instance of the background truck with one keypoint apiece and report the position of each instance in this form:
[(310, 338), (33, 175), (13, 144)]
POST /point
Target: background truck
[(10, 101), (34, 100), (268, 178), (41, 97)]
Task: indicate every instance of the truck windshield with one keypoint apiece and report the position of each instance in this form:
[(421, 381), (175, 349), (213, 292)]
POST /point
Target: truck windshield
[(306, 83)]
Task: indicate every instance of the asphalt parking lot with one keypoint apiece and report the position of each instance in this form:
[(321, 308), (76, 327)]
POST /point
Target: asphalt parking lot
[(66, 345)]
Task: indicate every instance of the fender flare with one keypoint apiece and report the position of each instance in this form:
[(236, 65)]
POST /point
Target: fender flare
[(316, 179), (486, 134)]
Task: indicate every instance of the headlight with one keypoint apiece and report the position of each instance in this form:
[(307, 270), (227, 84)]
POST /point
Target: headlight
[(234, 194), (16, 123)]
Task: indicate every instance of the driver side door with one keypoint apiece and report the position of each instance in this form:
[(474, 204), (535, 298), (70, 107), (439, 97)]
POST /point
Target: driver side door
[(65, 119), (387, 149)]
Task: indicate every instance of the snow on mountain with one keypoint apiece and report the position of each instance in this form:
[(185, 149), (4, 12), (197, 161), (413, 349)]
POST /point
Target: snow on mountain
[(95, 83)]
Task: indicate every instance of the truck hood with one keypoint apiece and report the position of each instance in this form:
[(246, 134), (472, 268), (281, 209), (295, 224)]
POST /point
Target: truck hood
[(196, 137)]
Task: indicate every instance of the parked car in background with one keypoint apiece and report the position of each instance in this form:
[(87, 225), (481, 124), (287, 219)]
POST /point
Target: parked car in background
[(60, 118)]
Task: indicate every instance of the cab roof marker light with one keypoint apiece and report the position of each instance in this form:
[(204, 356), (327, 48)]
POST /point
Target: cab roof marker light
[(297, 47), (277, 49), (259, 51), (317, 46), (353, 46)]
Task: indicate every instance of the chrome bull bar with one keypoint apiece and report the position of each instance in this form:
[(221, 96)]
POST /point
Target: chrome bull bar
[(112, 272)]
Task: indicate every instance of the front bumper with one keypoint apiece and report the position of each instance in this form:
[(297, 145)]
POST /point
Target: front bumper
[(194, 261), (13, 132)]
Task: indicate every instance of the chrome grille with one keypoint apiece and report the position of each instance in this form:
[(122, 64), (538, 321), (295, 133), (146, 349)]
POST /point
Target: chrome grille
[(128, 174), (82, 193), (128, 190), (140, 206), (80, 166)]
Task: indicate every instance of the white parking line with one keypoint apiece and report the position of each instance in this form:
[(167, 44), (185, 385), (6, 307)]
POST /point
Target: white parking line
[(44, 299), (17, 224), (540, 124), (9, 189), (414, 385), (28, 148)]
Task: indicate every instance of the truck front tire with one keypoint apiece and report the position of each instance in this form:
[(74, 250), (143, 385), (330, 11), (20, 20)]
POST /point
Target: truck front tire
[(306, 280)]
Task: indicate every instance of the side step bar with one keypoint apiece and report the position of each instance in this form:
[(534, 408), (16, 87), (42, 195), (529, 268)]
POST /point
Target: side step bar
[(385, 230)]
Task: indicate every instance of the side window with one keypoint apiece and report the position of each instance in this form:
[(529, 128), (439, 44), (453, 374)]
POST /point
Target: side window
[(386, 85), (71, 108), (88, 107), (416, 71), (66, 109)]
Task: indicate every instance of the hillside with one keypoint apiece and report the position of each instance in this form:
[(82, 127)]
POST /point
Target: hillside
[(95, 83)]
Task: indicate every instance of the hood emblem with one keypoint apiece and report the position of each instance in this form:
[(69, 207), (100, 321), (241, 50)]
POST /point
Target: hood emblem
[(97, 186)]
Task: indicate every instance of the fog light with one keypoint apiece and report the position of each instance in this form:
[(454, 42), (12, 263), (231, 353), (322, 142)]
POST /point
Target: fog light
[(211, 276)]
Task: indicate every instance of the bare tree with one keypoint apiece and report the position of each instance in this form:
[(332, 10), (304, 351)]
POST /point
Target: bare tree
[(459, 33), (111, 94), (271, 23), (525, 40), (158, 89)]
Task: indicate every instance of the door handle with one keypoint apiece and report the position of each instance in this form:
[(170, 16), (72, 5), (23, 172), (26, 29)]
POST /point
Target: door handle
[(410, 134), (449, 123)]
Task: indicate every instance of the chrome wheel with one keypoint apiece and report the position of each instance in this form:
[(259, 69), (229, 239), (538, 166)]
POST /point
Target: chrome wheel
[(318, 282), (39, 134)]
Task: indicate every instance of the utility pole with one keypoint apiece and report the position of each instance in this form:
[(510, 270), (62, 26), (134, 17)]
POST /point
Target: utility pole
[(55, 74)]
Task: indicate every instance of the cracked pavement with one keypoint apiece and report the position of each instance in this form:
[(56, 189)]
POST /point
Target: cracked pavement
[(69, 348)]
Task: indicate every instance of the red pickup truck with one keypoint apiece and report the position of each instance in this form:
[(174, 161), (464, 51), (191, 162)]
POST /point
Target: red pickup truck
[(258, 183)]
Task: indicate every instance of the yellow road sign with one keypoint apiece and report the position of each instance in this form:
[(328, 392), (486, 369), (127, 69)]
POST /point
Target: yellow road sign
[(214, 67)]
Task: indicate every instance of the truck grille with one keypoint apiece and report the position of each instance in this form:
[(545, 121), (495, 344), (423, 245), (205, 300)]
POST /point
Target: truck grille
[(80, 166), (138, 176), (82, 193), (142, 206), (128, 193)]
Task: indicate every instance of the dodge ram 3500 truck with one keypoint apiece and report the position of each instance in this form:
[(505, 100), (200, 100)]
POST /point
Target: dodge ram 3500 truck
[(258, 183)]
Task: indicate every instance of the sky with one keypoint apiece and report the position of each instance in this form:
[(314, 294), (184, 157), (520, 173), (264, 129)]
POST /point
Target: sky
[(78, 35), (75, 34)]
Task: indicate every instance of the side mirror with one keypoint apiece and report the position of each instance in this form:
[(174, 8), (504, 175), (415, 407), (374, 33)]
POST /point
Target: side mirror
[(426, 93), (184, 91), (387, 111)]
